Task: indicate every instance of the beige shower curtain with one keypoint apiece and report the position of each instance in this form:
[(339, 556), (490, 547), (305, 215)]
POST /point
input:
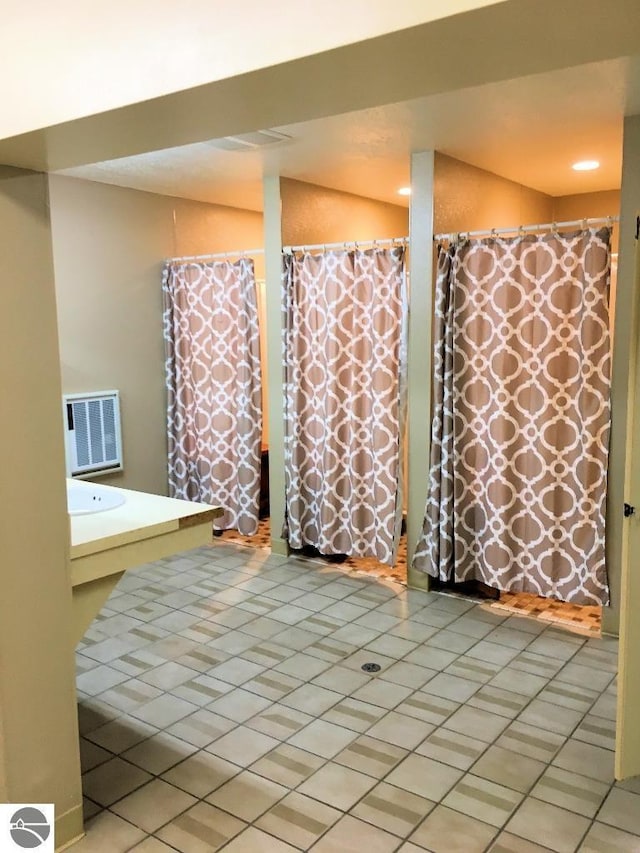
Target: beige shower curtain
[(345, 323), (214, 414), (520, 430)]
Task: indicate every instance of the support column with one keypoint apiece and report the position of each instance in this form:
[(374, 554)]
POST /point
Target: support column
[(419, 365), (39, 761), (622, 353), (273, 289)]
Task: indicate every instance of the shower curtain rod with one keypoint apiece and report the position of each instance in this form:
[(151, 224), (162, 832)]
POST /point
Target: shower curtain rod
[(241, 253), (356, 244), (525, 229)]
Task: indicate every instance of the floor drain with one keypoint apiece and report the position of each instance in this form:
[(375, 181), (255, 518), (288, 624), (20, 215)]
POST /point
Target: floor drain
[(371, 667)]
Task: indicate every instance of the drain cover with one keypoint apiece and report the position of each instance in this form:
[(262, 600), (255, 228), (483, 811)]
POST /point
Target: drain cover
[(371, 667)]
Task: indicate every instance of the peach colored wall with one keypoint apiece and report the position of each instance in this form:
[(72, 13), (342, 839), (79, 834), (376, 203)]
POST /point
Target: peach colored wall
[(469, 199), (314, 214), (109, 245)]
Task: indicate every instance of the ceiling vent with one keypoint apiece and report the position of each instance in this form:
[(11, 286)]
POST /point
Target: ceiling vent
[(250, 141)]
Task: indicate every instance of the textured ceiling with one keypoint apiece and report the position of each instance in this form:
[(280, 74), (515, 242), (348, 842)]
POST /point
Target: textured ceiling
[(529, 130)]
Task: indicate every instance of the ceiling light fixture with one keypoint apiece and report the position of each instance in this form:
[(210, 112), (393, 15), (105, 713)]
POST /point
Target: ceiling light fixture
[(585, 165), (404, 191)]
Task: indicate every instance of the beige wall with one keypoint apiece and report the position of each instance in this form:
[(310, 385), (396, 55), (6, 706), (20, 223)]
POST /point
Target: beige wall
[(470, 199), (109, 244), (313, 214), (39, 760)]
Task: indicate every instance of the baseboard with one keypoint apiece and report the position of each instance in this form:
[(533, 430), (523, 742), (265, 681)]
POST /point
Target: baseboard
[(69, 828), (418, 580), (279, 546)]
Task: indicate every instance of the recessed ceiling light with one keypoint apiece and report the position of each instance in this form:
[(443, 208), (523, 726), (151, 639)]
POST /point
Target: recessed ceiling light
[(404, 191), (585, 165)]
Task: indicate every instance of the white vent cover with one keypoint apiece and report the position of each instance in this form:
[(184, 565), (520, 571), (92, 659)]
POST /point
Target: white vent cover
[(249, 141), (92, 433)]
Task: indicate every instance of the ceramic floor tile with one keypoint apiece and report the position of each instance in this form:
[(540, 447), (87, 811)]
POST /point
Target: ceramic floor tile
[(200, 774), (118, 735), (478, 724), (597, 731), (393, 809), (371, 756), (242, 746), (448, 686), (288, 765), (400, 730), (252, 840), (323, 738), (112, 780), (164, 710), (298, 820), (353, 714), (451, 747), (586, 759), (130, 695), (202, 690), (152, 845), (552, 717), (447, 831), (546, 824), (605, 839), (429, 709), (159, 753), (239, 705), (153, 805), (279, 722), (498, 701), (311, 699), (570, 791), (508, 843), (509, 769), (100, 678), (531, 741), (107, 831), (479, 798), (247, 795), (201, 728), (337, 786), (424, 776), (202, 829), (622, 810), (352, 836), (382, 693), (92, 755)]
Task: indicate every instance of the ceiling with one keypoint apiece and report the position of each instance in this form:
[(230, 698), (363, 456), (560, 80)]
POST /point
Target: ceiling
[(528, 130)]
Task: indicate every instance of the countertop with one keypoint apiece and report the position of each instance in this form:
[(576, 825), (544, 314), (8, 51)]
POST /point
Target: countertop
[(142, 516)]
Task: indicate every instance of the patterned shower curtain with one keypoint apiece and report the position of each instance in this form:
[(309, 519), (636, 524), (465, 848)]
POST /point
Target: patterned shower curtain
[(214, 413), (344, 344), (520, 432)]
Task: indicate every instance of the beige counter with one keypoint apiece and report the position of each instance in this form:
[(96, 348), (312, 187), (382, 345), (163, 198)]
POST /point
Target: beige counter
[(145, 528)]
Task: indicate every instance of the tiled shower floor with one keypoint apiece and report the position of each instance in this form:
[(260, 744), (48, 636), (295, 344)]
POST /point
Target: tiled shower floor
[(584, 620), (223, 706)]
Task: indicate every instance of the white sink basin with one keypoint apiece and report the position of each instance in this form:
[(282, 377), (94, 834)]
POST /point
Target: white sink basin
[(86, 498)]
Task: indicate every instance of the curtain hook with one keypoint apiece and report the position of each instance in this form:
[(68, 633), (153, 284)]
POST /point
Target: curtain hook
[(554, 227), (585, 224), (521, 231)]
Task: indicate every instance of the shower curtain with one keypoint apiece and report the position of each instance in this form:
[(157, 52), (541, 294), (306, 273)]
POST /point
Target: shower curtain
[(520, 432), (344, 345), (214, 414)]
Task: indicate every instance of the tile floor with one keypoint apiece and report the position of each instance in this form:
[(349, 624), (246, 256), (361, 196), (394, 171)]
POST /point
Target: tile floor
[(223, 706)]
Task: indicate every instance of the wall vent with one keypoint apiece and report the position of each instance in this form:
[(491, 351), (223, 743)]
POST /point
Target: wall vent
[(93, 439), (249, 141)]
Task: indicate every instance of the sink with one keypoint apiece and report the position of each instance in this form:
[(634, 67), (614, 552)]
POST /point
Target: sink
[(86, 498)]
